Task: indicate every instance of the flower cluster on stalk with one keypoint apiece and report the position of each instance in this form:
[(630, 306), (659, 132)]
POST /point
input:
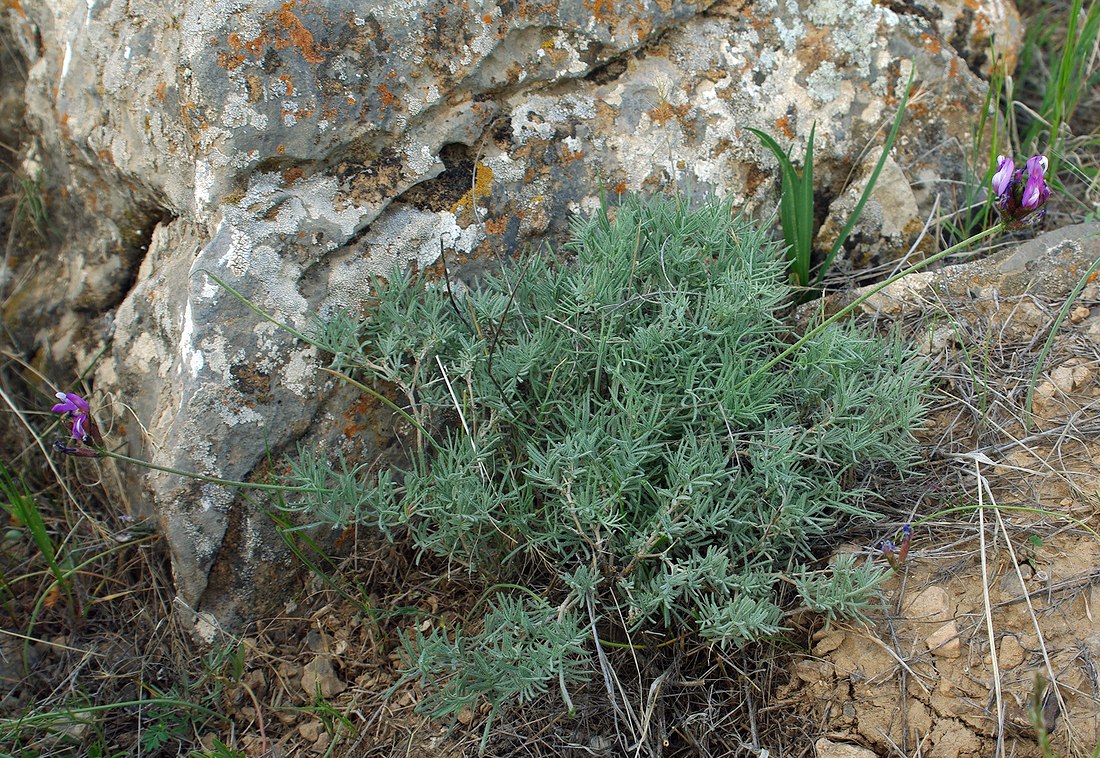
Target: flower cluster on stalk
[(895, 554), (78, 416), (1021, 193)]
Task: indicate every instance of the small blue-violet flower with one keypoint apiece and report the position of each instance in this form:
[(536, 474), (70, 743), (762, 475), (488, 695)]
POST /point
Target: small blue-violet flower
[(895, 554), (889, 552), (1021, 193)]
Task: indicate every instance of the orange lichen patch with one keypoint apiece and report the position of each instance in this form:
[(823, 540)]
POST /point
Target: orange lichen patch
[(487, 19), (252, 47), (643, 27), (160, 91), (603, 10), (385, 95), (293, 174), (931, 44), (286, 31), (619, 188), (666, 111), (953, 68), (917, 109), (185, 112), (293, 33), (281, 149), (754, 178), (496, 225), (565, 155), (230, 61), (814, 49), (289, 85), (483, 180), (1092, 276), (783, 126), (15, 6)]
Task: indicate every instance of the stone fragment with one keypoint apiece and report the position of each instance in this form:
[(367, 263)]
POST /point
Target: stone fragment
[(811, 671), (256, 681), (1010, 653), (944, 642), (931, 605), (826, 748), (310, 730), (320, 674), (1070, 376), (827, 642)]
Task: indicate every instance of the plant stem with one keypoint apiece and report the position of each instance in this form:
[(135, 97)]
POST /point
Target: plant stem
[(209, 479), (867, 295)]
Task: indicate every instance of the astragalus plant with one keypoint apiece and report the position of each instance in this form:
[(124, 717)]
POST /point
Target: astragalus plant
[(603, 445)]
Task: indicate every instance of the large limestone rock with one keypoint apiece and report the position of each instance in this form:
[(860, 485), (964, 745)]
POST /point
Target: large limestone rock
[(297, 148)]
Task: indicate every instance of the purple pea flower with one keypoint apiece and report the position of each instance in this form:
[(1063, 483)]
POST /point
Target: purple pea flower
[(75, 409), (1036, 190), (79, 415), (1021, 193), (1003, 177)]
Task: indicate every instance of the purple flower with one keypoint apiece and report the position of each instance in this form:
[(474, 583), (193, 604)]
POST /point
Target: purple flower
[(76, 410), (889, 551), (903, 546), (895, 554), (1003, 177), (1021, 192), (73, 403), (1036, 190)]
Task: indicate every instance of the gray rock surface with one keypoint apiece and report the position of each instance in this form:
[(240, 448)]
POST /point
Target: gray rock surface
[(1048, 266), (297, 148)]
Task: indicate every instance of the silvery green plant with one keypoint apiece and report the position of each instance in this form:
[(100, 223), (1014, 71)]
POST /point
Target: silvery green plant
[(621, 434)]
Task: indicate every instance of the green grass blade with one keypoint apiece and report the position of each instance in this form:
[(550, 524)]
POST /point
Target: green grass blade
[(804, 207), (23, 509), (788, 202)]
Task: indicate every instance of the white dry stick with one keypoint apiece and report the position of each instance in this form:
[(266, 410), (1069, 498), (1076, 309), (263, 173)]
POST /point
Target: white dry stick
[(462, 418), (1034, 618), (985, 487), (989, 613)]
